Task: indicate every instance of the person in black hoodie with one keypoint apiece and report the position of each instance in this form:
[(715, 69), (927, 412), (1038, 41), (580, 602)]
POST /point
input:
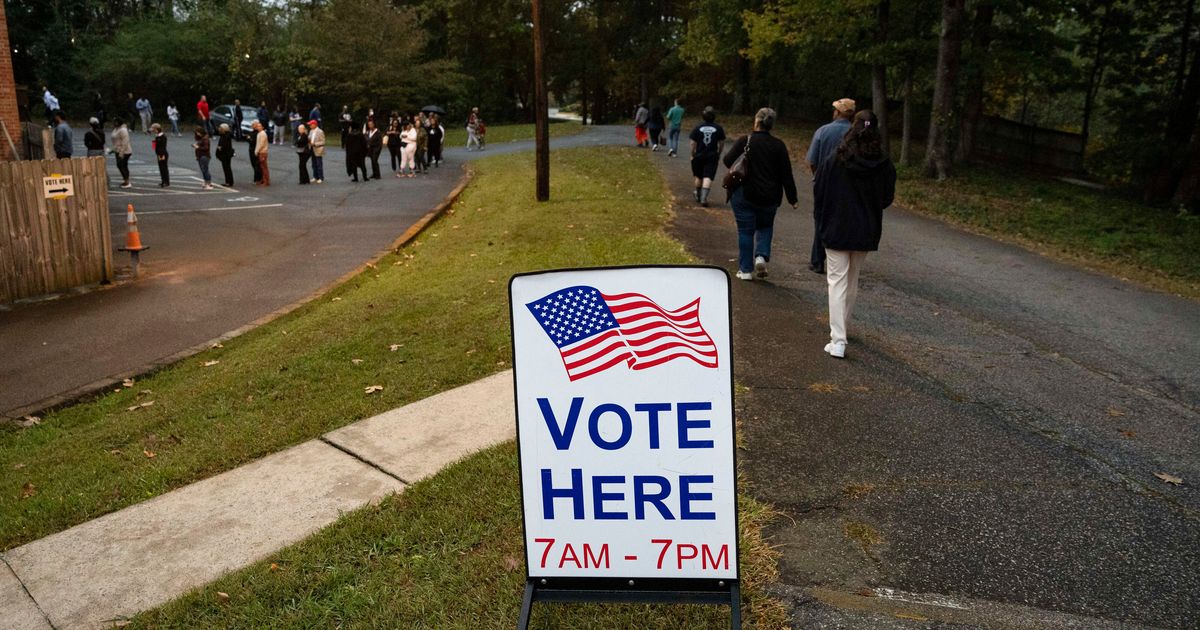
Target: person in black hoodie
[(852, 189), (755, 201), (160, 151), (356, 152), (225, 153)]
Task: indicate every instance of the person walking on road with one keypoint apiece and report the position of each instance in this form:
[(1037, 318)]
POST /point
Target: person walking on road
[(640, 117), (755, 201), (707, 141), (146, 113), (654, 126), (316, 139), (202, 113), (93, 140), (825, 142), (675, 124), (260, 152), (374, 141), (238, 117), (98, 110), (279, 118), (356, 153), (853, 187), (473, 129), (160, 153), (225, 153), (64, 138), (303, 151), (173, 118), (203, 147), (122, 148), (436, 134)]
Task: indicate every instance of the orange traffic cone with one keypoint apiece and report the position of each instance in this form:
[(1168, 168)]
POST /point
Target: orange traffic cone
[(133, 240)]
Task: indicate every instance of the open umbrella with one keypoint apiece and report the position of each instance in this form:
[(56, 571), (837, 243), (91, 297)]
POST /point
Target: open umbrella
[(432, 109)]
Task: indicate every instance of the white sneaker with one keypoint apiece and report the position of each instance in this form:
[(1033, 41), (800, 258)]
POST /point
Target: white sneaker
[(654, 148), (836, 349), (760, 266), (744, 275)]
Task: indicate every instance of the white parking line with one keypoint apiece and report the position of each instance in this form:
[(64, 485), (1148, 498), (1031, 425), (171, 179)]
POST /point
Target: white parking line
[(269, 205)]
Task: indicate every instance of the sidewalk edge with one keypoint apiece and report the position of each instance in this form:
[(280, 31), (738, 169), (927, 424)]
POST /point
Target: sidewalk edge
[(85, 392)]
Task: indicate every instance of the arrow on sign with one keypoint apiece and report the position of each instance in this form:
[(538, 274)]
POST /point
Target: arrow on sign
[(57, 190)]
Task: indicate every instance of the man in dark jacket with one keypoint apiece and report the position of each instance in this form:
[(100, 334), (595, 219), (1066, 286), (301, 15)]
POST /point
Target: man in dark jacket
[(238, 117), (64, 138), (374, 147), (824, 142), (768, 179), (356, 153), (853, 186)]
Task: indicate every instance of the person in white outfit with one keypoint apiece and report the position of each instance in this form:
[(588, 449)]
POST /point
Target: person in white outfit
[(473, 130), (852, 189), (408, 156)]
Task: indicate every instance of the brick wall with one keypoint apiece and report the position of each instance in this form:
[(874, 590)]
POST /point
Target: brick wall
[(8, 92)]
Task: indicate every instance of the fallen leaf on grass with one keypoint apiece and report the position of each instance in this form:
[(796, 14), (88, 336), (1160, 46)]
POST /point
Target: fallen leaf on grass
[(140, 405), (337, 299), (121, 623), (396, 346), (372, 265), (274, 567), (29, 421), (211, 363), (222, 597), (18, 466), (511, 563), (1169, 478), (471, 351), (127, 382), (824, 388), (912, 616), (371, 389), (149, 454), (356, 361), (28, 490), (217, 345)]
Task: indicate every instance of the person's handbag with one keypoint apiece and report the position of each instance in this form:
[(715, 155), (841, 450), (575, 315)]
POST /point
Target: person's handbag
[(737, 173)]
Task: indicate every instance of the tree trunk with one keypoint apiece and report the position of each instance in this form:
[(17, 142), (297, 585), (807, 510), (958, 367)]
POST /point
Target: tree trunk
[(906, 132), (949, 58), (1185, 38), (741, 96), (1094, 76), (583, 96), (1180, 126), (973, 101), (879, 75)]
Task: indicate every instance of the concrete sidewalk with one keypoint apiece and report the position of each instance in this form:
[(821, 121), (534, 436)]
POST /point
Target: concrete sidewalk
[(106, 570)]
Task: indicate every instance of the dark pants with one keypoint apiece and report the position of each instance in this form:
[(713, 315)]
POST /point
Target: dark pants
[(319, 167), (123, 166), (375, 163), (304, 167), (755, 227), (202, 161), (257, 166), (163, 172), (394, 150), (817, 258), (227, 166), (354, 166)]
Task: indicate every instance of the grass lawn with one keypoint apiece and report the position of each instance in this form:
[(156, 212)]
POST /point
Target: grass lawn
[(456, 134), (447, 553), (438, 555)]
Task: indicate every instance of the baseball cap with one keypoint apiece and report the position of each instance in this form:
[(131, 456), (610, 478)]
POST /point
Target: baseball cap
[(844, 105), (312, 123)]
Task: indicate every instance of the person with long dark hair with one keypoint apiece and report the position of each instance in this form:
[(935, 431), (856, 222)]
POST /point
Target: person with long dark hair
[(434, 141), (852, 190), (755, 201), (203, 147), (356, 153), (393, 142)]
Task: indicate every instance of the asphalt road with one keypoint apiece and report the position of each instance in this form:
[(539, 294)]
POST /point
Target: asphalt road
[(218, 259), (985, 455)]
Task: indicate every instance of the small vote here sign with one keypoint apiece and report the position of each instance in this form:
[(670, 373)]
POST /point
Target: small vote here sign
[(624, 397)]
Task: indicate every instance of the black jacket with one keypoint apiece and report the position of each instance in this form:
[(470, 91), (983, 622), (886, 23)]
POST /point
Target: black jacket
[(374, 142), (850, 199), (93, 140), (769, 172), (224, 147), (356, 148)]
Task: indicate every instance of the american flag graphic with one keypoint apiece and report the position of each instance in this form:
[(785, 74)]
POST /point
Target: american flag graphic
[(595, 331)]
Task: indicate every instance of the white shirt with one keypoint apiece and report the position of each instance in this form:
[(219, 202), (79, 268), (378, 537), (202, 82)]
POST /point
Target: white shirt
[(172, 113)]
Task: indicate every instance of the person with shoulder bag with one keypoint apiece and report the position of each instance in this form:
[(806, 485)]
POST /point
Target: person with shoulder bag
[(757, 193), (852, 189)]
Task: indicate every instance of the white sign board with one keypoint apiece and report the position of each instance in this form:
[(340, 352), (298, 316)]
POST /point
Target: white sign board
[(58, 186), (624, 397)]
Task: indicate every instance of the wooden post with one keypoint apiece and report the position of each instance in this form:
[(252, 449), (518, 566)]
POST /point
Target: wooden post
[(541, 106)]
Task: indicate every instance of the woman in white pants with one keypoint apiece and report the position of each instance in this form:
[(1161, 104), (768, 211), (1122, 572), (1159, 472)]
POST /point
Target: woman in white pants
[(408, 155), (851, 191)]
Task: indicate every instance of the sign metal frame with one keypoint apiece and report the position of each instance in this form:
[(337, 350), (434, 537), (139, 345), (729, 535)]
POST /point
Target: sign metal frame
[(621, 590)]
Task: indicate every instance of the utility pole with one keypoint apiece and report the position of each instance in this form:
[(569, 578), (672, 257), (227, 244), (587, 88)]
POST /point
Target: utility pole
[(541, 103)]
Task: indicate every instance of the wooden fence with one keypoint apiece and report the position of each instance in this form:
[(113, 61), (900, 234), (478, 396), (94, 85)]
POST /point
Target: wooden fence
[(47, 245), (1014, 142)]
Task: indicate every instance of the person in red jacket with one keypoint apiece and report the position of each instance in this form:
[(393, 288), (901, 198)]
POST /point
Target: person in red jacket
[(202, 113)]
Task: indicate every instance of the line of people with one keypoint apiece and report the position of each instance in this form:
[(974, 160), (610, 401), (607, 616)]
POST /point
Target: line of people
[(414, 143)]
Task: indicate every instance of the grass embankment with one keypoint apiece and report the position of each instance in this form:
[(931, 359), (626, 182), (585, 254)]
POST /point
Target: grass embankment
[(1099, 229), (456, 134), (438, 555)]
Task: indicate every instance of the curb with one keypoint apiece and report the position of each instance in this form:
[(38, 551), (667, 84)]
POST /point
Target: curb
[(95, 388)]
